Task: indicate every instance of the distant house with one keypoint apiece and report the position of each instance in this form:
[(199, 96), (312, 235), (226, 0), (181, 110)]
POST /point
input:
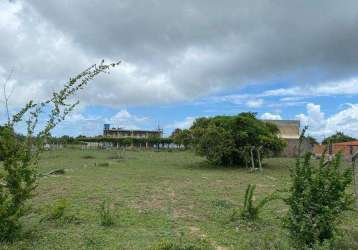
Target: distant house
[(132, 133), (348, 149), (290, 133)]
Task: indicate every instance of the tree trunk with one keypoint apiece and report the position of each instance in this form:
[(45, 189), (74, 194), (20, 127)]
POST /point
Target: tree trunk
[(252, 158)]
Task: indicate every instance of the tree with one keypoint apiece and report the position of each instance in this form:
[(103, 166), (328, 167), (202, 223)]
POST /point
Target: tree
[(235, 140), (21, 155), (182, 137), (337, 137)]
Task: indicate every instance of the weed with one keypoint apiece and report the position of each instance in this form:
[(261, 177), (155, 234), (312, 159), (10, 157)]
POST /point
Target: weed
[(59, 212), (106, 214), (250, 211)]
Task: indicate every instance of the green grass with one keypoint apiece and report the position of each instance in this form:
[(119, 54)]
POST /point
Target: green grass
[(156, 197)]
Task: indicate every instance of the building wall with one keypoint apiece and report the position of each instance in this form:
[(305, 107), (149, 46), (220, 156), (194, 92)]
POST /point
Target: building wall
[(136, 134), (346, 149), (291, 150)]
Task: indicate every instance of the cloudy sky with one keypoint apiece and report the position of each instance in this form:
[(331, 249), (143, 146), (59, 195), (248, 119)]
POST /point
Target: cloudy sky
[(186, 59)]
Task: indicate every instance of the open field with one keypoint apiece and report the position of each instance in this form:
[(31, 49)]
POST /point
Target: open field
[(157, 196)]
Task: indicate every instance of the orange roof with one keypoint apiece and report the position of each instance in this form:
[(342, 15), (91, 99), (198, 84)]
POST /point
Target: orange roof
[(348, 143)]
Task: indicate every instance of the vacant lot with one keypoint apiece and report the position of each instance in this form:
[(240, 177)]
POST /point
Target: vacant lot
[(156, 196)]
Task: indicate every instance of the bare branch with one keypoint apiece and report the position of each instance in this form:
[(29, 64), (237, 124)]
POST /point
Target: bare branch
[(6, 96)]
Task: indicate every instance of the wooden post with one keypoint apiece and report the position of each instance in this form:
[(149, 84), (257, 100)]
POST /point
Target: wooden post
[(259, 157), (355, 176)]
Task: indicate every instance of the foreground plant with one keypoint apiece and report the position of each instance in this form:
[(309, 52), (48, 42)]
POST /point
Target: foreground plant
[(317, 198), (251, 211), (20, 154)]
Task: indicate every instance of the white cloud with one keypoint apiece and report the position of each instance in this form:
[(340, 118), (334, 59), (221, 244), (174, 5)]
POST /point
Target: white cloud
[(270, 116), (78, 123), (186, 123), (127, 120), (344, 87), (322, 126), (255, 103)]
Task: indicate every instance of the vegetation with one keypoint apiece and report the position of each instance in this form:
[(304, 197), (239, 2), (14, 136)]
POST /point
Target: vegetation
[(21, 154), (174, 245), (250, 211), (57, 210), (106, 215), (129, 141), (235, 140), (318, 197), (158, 197), (337, 137), (182, 137)]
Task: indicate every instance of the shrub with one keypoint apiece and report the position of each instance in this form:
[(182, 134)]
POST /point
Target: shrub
[(235, 140), (317, 198), (106, 215), (182, 137), (21, 153), (250, 211), (57, 210)]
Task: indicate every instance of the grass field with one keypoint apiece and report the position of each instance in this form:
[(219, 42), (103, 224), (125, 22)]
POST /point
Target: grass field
[(157, 196)]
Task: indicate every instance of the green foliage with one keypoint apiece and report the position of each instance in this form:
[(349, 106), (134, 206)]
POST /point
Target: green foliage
[(250, 211), (106, 215), (337, 137), (21, 153), (57, 210), (182, 137), (227, 140), (317, 198), (216, 144)]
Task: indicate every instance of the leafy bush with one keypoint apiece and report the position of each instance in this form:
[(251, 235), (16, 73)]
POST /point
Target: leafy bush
[(317, 198), (250, 211), (106, 215), (58, 212), (231, 140), (182, 137), (21, 153)]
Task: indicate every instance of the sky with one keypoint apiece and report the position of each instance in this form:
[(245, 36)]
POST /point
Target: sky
[(186, 59)]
